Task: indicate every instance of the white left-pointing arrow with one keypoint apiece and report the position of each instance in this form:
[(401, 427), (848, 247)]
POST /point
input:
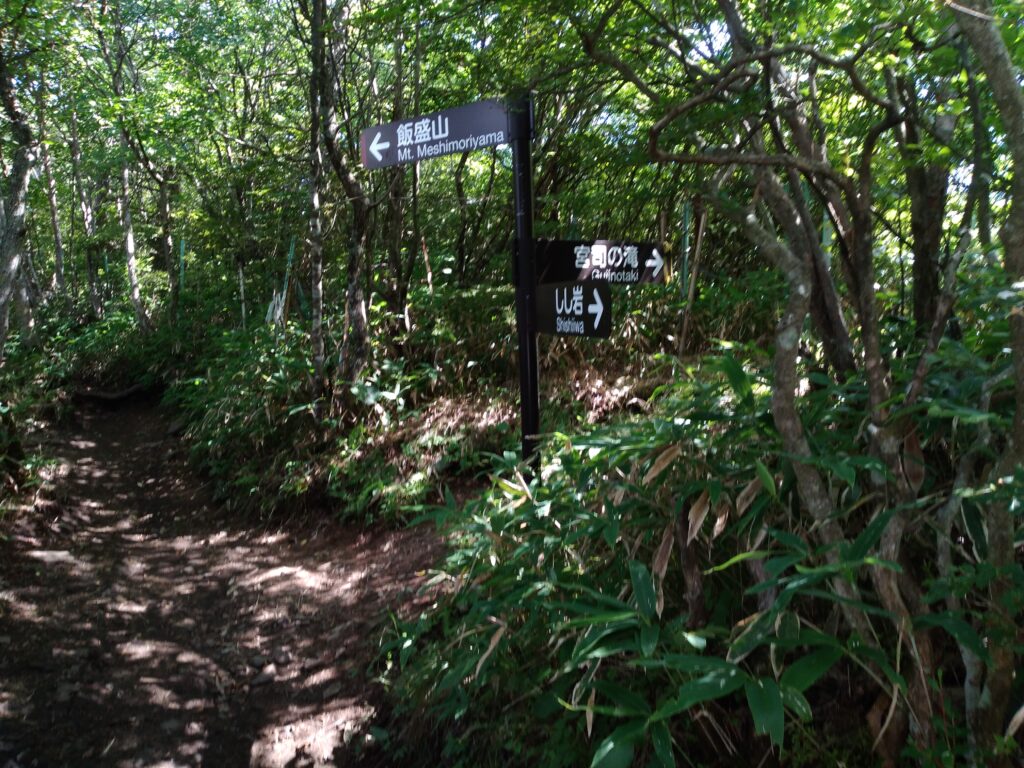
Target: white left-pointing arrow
[(377, 145), (596, 309), (656, 261)]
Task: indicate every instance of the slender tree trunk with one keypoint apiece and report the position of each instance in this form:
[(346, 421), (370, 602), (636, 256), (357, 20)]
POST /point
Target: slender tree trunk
[(167, 241), (315, 240), (241, 292), (124, 210), (58, 241), (978, 21), (88, 220), (691, 289)]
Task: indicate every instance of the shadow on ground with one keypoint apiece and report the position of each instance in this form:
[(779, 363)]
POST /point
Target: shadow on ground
[(142, 627)]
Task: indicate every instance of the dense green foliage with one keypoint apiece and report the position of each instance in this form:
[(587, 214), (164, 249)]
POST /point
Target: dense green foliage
[(780, 510), (665, 564)]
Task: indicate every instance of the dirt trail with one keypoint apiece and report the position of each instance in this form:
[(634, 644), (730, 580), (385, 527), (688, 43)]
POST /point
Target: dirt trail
[(141, 628)]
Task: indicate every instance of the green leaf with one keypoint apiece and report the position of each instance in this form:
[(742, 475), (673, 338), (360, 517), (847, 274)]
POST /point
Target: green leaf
[(805, 672), (605, 617), (685, 662), (750, 638), (738, 379), (765, 702), (796, 703), (870, 535), (663, 745), (623, 698), (616, 751), (643, 588), (767, 481), (649, 638), (789, 539), (956, 626), (712, 686), (756, 554)]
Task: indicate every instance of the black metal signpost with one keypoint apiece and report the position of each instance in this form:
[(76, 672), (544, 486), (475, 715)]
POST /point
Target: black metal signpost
[(520, 123), (565, 292), (476, 126), (609, 261)]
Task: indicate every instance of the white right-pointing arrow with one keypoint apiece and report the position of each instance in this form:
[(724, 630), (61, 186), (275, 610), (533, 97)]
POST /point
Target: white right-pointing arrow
[(655, 261), (377, 145), (596, 309)]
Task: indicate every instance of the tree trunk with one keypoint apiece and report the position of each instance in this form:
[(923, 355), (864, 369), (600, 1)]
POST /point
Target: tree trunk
[(12, 206), (927, 187), (124, 210), (926, 184), (58, 241), (315, 240), (88, 220), (691, 289), (354, 346), (976, 19), (24, 310), (167, 242)]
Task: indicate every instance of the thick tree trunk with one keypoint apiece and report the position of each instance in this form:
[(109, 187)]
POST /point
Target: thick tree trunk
[(927, 185), (12, 206), (354, 346)]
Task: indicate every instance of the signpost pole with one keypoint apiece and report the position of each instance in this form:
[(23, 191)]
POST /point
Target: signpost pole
[(520, 118)]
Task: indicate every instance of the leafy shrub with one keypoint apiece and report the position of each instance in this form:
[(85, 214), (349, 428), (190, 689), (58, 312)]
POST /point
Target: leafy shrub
[(564, 606), (661, 593)]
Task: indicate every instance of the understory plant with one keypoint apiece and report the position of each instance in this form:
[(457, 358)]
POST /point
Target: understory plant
[(660, 595)]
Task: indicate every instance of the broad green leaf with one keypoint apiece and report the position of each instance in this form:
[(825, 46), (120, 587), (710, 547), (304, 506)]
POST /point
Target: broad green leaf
[(789, 539), (750, 637), (685, 662), (796, 703), (765, 702), (738, 379), (616, 751)]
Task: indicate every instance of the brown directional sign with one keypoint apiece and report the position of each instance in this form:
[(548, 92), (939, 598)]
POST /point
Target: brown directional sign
[(460, 129), (609, 261), (575, 309)]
